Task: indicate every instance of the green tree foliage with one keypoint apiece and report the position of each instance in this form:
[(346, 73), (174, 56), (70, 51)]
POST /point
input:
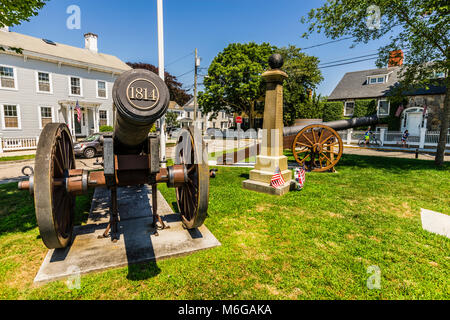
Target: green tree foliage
[(171, 119), (177, 93), (332, 110), (365, 107), (234, 80), (304, 76), (418, 27), (13, 12)]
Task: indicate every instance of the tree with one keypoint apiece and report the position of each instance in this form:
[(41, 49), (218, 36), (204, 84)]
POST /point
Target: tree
[(177, 93), (13, 12), (171, 119), (420, 27), (234, 80), (304, 76)]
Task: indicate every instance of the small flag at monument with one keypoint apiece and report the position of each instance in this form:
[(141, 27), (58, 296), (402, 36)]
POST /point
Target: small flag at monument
[(277, 179), (300, 177), (425, 110), (78, 109)]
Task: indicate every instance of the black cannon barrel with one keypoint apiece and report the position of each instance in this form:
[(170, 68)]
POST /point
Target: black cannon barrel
[(337, 125), (140, 98)]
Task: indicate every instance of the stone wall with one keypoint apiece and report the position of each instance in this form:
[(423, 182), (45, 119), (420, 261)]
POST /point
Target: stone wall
[(435, 105)]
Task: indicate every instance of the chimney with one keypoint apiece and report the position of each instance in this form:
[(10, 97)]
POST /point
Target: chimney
[(4, 29), (395, 58), (90, 42)]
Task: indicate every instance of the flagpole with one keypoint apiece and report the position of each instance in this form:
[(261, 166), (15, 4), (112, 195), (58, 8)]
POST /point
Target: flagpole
[(162, 121)]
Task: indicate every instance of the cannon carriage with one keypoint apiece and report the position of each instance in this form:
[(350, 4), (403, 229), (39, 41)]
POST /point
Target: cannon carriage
[(319, 147), (131, 157)]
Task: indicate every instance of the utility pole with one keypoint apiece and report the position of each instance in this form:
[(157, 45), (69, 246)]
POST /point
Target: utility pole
[(162, 120), (197, 64)]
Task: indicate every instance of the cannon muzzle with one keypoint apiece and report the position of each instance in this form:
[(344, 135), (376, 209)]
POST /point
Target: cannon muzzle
[(140, 98)]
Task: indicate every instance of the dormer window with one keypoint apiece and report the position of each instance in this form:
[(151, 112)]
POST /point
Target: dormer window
[(376, 79)]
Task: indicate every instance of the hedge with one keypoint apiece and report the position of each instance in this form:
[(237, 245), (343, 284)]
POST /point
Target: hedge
[(333, 110), (364, 107), (106, 129)]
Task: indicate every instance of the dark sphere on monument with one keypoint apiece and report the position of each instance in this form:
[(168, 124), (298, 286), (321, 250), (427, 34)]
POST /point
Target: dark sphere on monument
[(276, 61)]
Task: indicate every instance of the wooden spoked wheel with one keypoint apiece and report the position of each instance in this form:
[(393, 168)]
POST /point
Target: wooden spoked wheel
[(193, 196), (317, 147), (54, 205)]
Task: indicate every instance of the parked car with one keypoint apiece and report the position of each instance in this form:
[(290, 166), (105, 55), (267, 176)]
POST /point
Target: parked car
[(89, 147)]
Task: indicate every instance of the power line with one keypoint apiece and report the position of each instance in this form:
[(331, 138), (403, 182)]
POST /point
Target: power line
[(341, 64), (369, 55), (181, 58), (185, 73), (325, 43)]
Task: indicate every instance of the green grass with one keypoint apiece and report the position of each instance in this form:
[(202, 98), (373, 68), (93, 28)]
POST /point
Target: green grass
[(15, 158), (312, 244)]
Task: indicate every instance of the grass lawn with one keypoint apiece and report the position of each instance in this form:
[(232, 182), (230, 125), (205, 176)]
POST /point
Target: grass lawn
[(15, 158), (312, 244)]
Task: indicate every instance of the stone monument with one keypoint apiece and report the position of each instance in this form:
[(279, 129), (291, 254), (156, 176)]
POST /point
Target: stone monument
[(271, 158)]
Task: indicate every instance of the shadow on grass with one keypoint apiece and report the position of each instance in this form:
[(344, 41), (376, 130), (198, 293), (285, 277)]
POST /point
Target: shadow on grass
[(17, 212), (143, 271)]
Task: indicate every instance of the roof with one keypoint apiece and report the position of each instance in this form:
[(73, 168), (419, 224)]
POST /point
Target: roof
[(354, 85), (81, 57)]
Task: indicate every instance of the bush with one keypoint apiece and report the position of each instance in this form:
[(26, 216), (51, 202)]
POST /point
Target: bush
[(333, 110), (106, 129), (365, 107)]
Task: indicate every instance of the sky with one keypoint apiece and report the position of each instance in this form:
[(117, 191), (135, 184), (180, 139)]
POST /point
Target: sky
[(128, 30)]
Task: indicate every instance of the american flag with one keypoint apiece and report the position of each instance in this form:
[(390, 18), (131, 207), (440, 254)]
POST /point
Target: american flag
[(300, 177), (277, 179), (399, 111), (77, 107)]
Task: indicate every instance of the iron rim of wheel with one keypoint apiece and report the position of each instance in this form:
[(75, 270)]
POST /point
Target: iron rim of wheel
[(315, 148), (54, 206), (193, 196)]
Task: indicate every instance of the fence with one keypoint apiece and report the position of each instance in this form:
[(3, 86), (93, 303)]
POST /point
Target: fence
[(424, 139), (18, 144)]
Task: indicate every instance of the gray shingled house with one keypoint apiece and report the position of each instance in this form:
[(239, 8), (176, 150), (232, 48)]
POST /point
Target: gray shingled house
[(423, 108)]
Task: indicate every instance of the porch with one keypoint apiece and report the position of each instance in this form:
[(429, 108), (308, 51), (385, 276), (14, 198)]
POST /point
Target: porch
[(90, 118)]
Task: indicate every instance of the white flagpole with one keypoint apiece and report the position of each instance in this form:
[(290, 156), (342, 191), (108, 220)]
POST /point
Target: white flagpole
[(162, 121)]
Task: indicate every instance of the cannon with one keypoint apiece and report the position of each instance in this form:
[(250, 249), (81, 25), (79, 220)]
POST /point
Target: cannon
[(318, 147), (131, 157)]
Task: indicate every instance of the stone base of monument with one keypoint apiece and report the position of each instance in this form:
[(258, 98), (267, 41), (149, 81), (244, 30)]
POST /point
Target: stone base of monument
[(137, 240), (263, 187)]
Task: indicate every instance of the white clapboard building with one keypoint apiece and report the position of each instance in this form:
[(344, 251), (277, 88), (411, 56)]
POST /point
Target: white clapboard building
[(41, 81)]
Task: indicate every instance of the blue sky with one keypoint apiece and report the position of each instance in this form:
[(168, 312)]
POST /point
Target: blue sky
[(127, 29)]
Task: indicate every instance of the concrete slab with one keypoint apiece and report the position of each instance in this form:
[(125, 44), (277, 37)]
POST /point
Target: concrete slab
[(435, 222), (137, 242)]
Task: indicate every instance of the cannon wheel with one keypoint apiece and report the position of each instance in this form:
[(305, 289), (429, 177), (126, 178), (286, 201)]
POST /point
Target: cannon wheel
[(54, 205), (317, 147), (193, 196)]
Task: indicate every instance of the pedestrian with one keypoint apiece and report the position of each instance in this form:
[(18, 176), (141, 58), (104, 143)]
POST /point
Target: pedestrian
[(405, 137)]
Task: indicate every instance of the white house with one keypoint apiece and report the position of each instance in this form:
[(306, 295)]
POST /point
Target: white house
[(43, 81), (186, 117)]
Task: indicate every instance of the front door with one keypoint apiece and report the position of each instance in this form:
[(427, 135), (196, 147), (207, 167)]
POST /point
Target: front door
[(81, 128), (413, 123)]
